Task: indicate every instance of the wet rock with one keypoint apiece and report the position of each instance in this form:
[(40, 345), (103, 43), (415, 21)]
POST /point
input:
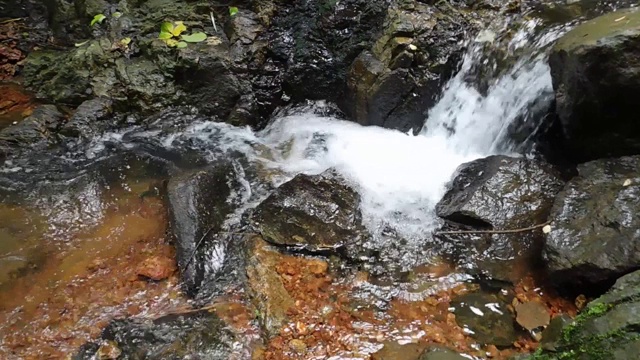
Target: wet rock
[(108, 351), (486, 318), (552, 335), (532, 315), (595, 74), (157, 268), (314, 43), (196, 335), (266, 288), (198, 207), (37, 129), (394, 351), (314, 213), (499, 193), (88, 119), (594, 237), (146, 75), (607, 327), (394, 82), (440, 353)]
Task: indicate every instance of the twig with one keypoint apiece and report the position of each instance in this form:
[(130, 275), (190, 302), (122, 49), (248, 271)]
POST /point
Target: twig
[(510, 231), (185, 311), (11, 20), (213, 21)]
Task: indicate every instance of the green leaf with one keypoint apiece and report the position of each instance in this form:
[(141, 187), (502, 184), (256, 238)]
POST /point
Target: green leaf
[(178, 29), (181, 44), (166, 27), (116, 14), (233, 10), (195, 37), (126, 41), (82, 43), (171, 42), (165, 35), (98, 19)]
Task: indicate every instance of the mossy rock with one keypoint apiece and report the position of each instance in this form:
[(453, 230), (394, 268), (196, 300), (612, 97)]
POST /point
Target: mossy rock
[(608, 328)]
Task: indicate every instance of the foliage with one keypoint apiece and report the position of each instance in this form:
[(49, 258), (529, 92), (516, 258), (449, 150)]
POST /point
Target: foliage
[(98, 19), (171, 34), (233, 10)]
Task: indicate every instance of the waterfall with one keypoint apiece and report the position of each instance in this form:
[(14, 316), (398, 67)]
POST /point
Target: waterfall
[(400, 176)]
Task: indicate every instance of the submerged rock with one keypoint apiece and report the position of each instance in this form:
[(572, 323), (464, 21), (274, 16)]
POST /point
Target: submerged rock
[(594, 230), (188, 336), (198, 207), (266, 288), (499, 193), (595, 71), (607, 327), (486, 318), (440, 353), (315, 213)]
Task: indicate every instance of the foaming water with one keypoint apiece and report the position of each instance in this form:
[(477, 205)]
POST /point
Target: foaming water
[(400, 176)]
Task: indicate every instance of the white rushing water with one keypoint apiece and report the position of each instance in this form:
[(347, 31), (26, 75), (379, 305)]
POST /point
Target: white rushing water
[(400, 176)]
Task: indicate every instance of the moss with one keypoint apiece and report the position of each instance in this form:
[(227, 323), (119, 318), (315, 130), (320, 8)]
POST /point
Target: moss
[(576, 346)]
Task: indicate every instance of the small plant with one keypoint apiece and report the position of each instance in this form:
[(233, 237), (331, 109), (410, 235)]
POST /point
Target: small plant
[(171, 34), (233, 10), (98, 19)]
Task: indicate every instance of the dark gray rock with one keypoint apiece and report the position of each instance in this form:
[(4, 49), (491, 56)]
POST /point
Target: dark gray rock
[(314, 213), (487, 317), (596, 72), (594, 230), (199, 203), (38, 129), (500, 193), (394, 82), (606, 328), (200, 335), (87, 120)]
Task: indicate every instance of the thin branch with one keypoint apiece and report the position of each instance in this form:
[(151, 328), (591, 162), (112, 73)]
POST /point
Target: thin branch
[(184, 312), (510, 231), (213, 21), (11, 20)]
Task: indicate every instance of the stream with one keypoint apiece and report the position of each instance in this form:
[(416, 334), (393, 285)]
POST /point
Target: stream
[(81, 225)]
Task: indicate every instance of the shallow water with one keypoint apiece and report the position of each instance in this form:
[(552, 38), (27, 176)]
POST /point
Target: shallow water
[(71, 248), (76, 256)]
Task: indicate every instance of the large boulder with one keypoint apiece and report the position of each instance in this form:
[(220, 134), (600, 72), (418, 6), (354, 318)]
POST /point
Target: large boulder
[(594, 234), (196, 335), (596, 73), (606, 328), (199, 203), (315, 213), (498, 193)]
